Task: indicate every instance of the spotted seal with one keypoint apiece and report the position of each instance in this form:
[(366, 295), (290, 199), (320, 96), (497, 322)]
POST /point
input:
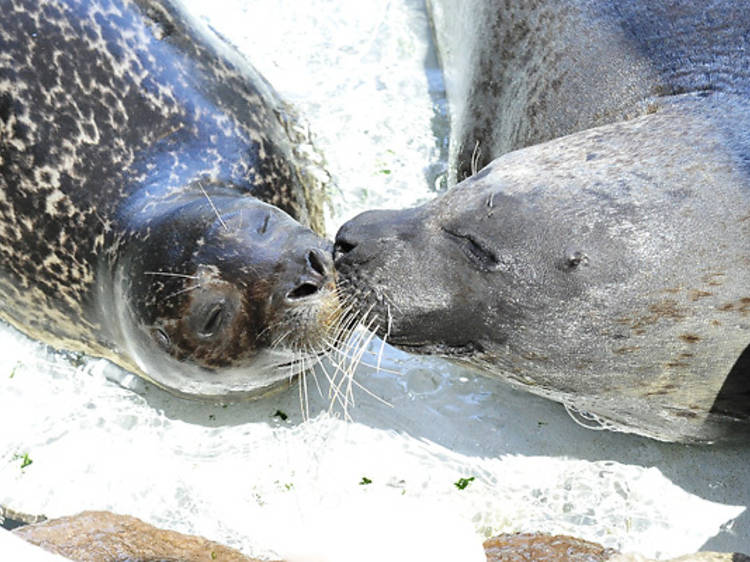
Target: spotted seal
[(148, 182), (602, 257)]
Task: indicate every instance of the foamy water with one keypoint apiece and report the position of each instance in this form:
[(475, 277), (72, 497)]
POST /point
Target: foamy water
[(99, 438)]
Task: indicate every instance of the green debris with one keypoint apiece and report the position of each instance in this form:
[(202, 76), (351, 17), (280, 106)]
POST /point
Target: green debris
[(365, 480), (14, 369), (463, 482), (280, 414), (25, 459)]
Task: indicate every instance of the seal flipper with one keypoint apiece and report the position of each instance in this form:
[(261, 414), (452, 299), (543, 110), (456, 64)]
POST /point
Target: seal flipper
[(733, 399)]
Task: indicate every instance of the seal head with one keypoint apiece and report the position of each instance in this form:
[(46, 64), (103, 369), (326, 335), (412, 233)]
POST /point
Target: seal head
[(206, 300)]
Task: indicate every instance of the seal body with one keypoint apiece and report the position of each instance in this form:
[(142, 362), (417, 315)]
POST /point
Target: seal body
[(607, 269), (147, 189)]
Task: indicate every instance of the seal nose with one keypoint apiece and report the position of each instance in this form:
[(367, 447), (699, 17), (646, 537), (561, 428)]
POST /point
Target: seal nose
[(317, 274), (365, 227), (366, 233), (342, 246)]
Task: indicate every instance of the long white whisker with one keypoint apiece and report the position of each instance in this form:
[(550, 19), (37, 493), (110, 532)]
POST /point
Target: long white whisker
[(389, 322), (210, 202), (475, 158), (183, 290), (169, 274)]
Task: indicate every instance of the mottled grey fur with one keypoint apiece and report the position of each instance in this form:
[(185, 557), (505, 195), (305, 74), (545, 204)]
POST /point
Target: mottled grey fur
[(520, 73)]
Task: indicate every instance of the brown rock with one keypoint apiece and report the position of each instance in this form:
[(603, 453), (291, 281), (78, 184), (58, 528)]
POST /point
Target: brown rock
[(537, 547), (697, 557), (100, 536)]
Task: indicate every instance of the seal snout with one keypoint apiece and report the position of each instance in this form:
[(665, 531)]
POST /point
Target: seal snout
[(362, 237)]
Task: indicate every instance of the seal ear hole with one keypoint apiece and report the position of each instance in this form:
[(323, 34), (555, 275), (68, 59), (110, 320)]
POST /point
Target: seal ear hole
[(162, 338), (575, 257)]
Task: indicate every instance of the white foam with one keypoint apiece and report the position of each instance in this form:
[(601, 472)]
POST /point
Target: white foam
[(15, 548)]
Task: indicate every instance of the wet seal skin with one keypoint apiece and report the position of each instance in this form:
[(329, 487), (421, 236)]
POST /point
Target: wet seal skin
[(601, 257), (152, 209)]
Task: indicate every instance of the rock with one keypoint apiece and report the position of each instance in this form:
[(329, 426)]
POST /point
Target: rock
[(539, 547), (100, 536)]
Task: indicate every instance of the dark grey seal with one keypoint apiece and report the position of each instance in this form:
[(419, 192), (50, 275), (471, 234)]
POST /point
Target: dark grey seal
[(147, 189), (608, 269)]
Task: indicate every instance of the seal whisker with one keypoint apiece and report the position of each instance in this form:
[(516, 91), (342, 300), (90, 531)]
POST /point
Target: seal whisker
[(389, 323), (362, 341), (476, 153), (183, 290), (351, 382), (373, 366), (333, 393), (280, 338), (316, 360), (210, 202), (170, 274), (347, 370), (372, 394), (305, 397), (300, 369)]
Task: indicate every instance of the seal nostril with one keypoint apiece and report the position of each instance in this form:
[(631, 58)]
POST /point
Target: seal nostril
[(342, 247), (316, 263), (302, 291)]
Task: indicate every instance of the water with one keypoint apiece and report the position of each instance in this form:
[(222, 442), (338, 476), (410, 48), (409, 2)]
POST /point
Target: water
[(99, 438)]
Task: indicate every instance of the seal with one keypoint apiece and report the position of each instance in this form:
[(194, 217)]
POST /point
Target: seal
[(602, 258), (147, 187)]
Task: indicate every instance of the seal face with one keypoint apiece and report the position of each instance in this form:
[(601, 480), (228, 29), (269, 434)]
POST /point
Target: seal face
[(147, 189), (606, 269)]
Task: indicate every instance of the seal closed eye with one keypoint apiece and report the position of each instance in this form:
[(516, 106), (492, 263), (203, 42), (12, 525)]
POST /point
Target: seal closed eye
[(212, 320), (479, 255), (153, 210)]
